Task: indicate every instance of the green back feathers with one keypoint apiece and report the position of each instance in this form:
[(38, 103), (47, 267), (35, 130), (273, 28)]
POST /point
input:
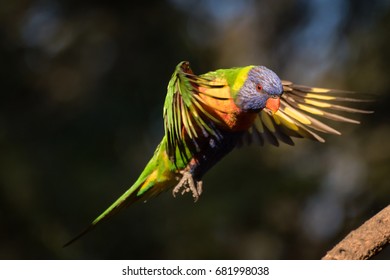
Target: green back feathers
[(235, 77)]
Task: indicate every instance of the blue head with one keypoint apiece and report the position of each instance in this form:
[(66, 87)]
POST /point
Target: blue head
[(262, 89)]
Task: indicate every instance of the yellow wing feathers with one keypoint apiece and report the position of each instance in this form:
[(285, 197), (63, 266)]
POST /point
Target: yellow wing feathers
[(299, 113)]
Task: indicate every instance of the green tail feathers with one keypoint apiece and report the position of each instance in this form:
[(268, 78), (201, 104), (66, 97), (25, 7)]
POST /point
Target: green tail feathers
[(158, 175), (128, 198)]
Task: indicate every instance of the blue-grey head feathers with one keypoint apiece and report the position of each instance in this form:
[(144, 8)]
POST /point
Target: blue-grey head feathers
[(260, 85)]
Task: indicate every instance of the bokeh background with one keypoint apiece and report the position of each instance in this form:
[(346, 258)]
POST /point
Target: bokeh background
[(82, 90)]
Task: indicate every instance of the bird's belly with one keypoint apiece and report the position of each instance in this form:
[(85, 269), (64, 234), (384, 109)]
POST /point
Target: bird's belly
[(212, 152)]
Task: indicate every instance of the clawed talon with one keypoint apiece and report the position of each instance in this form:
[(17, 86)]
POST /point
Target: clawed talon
[(187, 184)]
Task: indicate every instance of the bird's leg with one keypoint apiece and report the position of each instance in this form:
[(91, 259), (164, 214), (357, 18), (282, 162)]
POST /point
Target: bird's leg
[(187, 184)]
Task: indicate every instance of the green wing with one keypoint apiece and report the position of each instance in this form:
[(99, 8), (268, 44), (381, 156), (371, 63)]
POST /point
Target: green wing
[(186, 119), (297, 116)]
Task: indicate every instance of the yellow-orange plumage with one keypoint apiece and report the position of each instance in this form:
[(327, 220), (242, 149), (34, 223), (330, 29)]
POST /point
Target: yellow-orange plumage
[(219, 103)]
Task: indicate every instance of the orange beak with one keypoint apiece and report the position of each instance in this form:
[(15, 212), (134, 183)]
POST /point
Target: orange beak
[(273, 104)]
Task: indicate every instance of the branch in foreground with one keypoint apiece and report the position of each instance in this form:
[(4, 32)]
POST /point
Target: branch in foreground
[(364, 242)]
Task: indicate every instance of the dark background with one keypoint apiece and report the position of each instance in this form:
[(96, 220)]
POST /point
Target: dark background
[(82, 90)]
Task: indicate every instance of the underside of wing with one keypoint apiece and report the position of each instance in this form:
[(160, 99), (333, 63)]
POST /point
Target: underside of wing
[(301, 108), (186, 119)]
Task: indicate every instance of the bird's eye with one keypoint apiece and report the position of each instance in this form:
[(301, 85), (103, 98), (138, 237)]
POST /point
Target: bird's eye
[(259, 88)]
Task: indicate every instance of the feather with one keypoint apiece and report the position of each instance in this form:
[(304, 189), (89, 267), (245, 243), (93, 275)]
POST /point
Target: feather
[(186, 119), (298, 114)]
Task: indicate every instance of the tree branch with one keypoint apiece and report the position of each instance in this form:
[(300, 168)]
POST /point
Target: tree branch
[(364, 242)]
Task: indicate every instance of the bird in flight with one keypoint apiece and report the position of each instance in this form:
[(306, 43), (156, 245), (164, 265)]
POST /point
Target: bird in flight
[(207, 116)]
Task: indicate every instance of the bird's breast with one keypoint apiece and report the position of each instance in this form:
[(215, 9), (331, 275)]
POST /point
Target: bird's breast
[(219, 103)]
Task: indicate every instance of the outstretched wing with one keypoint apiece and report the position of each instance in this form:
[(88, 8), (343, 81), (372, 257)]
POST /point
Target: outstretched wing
[(186, 119), (297, 116)]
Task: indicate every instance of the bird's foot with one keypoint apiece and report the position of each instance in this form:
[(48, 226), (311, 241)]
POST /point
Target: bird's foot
[(187, 184)]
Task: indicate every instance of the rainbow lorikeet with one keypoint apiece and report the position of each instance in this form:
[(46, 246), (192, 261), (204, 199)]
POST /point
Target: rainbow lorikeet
[(206, 116)]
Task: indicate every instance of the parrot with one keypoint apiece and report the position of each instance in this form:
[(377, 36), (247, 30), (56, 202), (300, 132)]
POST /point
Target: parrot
[(207, 116)]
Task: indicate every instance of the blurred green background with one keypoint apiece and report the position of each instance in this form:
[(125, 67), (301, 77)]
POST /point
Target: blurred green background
[(82, 90)]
